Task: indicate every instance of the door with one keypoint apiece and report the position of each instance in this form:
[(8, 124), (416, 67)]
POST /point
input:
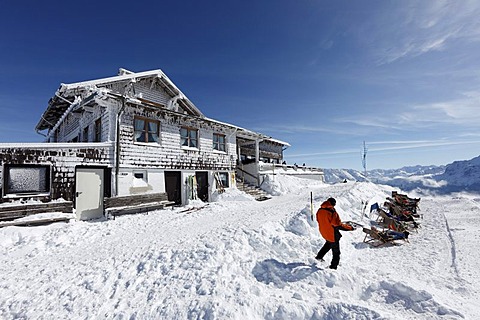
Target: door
[(202, 185), (173, 186), (89, 187)]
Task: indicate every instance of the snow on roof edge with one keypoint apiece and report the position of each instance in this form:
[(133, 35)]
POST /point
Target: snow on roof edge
[(132, 75), (250, 131)]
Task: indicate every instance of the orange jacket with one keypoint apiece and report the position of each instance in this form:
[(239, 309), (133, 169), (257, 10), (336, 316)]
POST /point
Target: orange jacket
[(328, 219)]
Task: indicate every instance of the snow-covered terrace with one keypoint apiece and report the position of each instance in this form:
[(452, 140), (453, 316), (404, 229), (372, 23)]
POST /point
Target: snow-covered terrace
[(292, 170)]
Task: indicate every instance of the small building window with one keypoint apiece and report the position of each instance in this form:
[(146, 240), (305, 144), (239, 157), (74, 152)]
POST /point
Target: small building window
[(189, 137), (146, 130), (98, 130), (138, 175), (85, 134), (27, 179), (140, 179), (223, 179), (219, 142)]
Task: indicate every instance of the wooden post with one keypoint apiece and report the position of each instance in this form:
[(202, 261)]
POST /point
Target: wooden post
[(311, 205)]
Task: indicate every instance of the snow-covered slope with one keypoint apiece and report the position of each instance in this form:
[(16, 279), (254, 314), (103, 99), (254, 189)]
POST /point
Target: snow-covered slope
[(242, 259), (454, 177), (340, 175), (462, 175)]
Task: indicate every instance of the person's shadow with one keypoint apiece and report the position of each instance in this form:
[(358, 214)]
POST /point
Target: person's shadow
[(279, 273)]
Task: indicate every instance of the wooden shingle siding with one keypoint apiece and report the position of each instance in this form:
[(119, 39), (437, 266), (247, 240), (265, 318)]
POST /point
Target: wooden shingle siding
[(153, 93), (62, 158), (168, 152)]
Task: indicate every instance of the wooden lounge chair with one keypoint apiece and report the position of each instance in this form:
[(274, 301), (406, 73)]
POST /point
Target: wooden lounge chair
[(389, 222), (378, 238)]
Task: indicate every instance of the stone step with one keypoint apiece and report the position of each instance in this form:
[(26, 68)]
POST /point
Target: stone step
[(257, 193)]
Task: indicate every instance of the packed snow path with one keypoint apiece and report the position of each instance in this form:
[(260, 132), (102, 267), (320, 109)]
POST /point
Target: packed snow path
[(242, 259)]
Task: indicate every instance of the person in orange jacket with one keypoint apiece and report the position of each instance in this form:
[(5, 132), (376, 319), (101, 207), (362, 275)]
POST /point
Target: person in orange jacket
[(329, 224)]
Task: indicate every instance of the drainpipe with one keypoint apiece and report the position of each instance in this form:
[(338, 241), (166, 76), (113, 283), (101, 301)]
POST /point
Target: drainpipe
[(117, 145), (117, 132)]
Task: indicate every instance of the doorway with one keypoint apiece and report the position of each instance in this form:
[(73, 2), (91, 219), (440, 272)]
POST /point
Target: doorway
[(202, 185), (89, 192), (173, 186)]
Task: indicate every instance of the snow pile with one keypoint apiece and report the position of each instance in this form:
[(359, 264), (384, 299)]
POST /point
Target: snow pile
[(231, 194), (278, 185), (237, 259)]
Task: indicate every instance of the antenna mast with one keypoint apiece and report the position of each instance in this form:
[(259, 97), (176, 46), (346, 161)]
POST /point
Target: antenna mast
[(364, 158)]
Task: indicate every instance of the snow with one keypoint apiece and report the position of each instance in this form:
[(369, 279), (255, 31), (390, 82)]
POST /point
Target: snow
[(455, 177), (237, 258)]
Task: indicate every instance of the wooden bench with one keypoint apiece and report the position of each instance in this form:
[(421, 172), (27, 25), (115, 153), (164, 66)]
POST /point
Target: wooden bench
[(36, 222), (137, 203), (15, 211)]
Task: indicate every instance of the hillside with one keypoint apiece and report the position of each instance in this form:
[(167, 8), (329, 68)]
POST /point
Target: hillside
[(241, 259), (462, 175), (455, 177)]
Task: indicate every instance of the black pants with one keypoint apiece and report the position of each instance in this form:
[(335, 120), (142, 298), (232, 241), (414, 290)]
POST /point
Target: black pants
[(335, 246)]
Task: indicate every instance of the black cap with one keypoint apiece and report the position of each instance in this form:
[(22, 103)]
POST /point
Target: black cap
[(332, 201)]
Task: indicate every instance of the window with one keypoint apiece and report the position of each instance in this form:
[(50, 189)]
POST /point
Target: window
[(98, 130), (85, 134), (219, 142), (189, 137), (223, 178), (138, 175), (146, 130), (27, 179), (140, 179)]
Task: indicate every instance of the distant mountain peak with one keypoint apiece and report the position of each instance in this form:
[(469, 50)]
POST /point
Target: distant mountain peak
[(462, 175)]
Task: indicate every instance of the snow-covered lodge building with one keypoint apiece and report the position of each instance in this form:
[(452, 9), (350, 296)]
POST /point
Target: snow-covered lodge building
[(134, 133)]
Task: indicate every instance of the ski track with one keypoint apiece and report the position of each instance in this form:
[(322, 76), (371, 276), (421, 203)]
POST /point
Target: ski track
[(198, 265)]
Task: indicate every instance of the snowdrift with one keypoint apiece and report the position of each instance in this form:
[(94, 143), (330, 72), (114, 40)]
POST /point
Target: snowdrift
[(241, 259)]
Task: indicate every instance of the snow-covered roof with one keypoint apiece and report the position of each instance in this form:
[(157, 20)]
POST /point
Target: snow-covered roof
[(249, 134), (60, 102), (128, 75)]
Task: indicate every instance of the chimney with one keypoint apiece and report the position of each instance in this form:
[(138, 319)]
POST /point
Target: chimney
[(122, 72)]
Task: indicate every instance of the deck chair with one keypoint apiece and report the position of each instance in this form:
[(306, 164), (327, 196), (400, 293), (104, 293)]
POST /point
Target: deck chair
[(389, 222), (378, 238), (397, 213)]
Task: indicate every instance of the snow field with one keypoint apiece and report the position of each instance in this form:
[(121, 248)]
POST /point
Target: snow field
[(242, 259)]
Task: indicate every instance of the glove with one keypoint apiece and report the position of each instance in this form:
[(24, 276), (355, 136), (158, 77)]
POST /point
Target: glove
[(347, 227)]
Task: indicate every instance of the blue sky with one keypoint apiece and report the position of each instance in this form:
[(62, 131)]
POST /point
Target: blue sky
[(403, 76)]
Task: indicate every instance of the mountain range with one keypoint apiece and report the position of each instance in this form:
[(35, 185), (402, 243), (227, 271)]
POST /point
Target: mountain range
[(458, 176)]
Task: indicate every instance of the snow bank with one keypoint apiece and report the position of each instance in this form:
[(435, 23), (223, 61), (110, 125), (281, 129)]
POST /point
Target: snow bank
[(231, 194), (278, 185), (237, 259)]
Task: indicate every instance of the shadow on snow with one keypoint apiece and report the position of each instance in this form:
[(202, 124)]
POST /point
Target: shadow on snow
[(279, 273)]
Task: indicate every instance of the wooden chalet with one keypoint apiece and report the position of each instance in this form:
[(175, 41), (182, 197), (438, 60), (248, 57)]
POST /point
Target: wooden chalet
[(132, 134)]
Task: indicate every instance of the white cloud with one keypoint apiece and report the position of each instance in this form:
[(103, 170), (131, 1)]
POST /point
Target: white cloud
[(413, 28), (300, 128), (461, 111), (388, 146)]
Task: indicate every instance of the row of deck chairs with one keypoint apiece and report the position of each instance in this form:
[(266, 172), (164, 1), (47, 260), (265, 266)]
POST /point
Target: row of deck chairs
[(396, 220)]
